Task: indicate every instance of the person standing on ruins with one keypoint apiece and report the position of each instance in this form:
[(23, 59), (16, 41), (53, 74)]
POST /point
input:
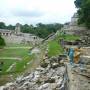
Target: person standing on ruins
[(71, 55)]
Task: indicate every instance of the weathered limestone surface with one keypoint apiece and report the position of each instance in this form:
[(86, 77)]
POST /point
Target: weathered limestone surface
[(79, 76), (78, 80), (49, 77)]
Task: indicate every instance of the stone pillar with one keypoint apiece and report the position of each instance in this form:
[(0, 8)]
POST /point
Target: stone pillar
[(17, 29)]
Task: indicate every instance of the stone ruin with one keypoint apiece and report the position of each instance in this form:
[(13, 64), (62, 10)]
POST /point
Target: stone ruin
[(55, 73), (73, 28), (17, 29), (49, 77), (17, 37), (77, 42), (86, 38)]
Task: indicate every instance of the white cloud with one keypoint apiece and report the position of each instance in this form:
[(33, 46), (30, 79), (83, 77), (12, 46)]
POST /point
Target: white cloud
[(34, 11)]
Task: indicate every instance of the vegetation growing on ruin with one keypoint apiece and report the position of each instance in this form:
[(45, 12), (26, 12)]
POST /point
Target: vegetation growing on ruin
[(69, 37), (54, 45)]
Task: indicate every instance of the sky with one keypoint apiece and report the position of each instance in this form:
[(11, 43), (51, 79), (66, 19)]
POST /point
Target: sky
[(36, 11)]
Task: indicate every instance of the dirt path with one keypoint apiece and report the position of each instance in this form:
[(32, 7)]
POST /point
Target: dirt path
[(36, 62)]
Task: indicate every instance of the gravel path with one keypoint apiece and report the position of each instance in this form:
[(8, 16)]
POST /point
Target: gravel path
[(36, 62)]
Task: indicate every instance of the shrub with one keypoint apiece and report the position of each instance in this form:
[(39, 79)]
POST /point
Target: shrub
[(2, 42)]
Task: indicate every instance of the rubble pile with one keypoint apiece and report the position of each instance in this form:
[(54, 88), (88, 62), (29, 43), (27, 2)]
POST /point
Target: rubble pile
[(50, 76)]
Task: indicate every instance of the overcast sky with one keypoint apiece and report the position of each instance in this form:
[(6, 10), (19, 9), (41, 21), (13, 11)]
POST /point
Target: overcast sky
[(35, 11)]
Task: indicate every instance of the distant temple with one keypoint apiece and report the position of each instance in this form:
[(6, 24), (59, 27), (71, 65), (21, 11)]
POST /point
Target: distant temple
[(6, 32), (73, 27), (17, 29), (16, 36)]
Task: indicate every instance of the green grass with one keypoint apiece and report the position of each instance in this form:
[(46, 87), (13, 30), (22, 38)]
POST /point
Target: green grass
[(18, 69), (71, 37), (7, 64), (14, 52), (54, 48), (68, 37), (22, 53), (20, 65)]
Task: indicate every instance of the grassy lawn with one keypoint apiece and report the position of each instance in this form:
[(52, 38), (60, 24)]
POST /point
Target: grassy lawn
[(18, 69), (14, 52), (22, 53), (7, 64), (54, 48), (20, 65)]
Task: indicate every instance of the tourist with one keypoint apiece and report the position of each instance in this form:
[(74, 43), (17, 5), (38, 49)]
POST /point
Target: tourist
[(71, 55), (77, 55)]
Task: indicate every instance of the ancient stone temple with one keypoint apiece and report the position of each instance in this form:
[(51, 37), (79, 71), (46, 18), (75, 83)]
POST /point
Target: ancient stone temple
[(16, 36), (17, 29), (73, 27), (5, 32)]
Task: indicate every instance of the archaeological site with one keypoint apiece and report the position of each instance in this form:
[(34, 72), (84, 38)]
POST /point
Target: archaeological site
[(49, 49)]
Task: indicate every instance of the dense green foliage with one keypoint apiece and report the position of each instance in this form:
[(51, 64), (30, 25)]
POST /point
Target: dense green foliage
[(3, 26), (83, 12), (2, 42), (41, 30)]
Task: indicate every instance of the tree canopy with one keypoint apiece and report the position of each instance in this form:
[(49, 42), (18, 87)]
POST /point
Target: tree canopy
[(2, 25), (2, 42), (41, 30), (83, 12)]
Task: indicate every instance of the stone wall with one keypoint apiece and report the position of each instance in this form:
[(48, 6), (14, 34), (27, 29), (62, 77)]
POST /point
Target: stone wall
[(23, 38)]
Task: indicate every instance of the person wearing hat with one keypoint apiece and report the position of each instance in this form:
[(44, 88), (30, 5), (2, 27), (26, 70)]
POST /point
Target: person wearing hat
[(77, 55)]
